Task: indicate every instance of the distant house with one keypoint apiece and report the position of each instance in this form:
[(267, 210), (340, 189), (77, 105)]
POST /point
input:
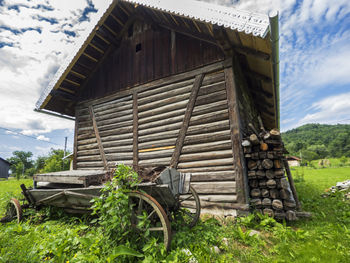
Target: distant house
[(4, 168), (293, 161)]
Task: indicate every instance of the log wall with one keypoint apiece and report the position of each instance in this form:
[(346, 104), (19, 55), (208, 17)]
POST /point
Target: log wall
[(182, 121)]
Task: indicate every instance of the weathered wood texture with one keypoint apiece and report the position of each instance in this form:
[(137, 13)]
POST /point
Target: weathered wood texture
[(236, 136), (184, 122), (148, 54)]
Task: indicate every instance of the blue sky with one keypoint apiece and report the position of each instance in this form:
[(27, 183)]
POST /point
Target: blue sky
[(36, 36)]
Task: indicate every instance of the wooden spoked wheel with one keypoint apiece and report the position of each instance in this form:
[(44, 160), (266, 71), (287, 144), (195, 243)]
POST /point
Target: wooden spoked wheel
[(159, 225), (13, 211), (190, 207)]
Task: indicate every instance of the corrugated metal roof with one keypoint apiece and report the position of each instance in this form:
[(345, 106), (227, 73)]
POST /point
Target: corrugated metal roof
[(242, 21)]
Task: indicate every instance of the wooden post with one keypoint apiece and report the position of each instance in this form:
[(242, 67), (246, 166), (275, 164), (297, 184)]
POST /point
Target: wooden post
[(173, 50), (98, 138), (135, 127), (186, 121), (291, 183), (75, 149), (235, 130)]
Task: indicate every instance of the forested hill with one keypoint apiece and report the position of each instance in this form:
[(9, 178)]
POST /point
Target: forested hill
[(317, 141)]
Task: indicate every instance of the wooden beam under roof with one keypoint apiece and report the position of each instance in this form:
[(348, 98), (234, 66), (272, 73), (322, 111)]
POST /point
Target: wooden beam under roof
[(79, 75), (257, 76), (251, 52), (117, 19), (72, 82), (97, 48), (90, 57)]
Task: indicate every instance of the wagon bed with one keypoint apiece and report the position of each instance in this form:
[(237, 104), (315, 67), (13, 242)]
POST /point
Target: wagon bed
[(73, 190)]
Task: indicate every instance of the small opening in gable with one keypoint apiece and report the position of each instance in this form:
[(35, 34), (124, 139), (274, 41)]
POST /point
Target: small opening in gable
[(130, 31), (138, 47)]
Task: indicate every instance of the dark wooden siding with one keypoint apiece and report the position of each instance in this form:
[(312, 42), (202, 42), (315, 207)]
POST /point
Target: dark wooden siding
[(4, 169), (148, 55)]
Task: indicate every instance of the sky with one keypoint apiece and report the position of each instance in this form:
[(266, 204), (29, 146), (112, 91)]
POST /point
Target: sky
[(36, 36)]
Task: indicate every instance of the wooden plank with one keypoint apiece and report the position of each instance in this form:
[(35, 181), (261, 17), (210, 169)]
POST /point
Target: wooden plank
[(96, 165), (156, 154), (75, 146), (99, 143), (88, 152), (87, 141), (227, 198), (88, 158), (116, 125), (157, 143), (157, 149), (186, 121), (154, 162), (119, 149), (211, 146), (160, 118), (213, 176), (209, 137), (205, 155), (206, 163), (117, 114), (118, 143), (225, 187), (160, 82), (158, 136), (166, 94), (163, 109), (116, 131), (218, 168), (115, 120), (235, 128), (119, 156), (117, 137), (161, 128), (135, 148), (205, 128), (87, 147), (291, 183), (166, 101)]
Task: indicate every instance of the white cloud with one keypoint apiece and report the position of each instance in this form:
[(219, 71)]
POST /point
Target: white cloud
[(27, 65), (42, 138), (331, 110)]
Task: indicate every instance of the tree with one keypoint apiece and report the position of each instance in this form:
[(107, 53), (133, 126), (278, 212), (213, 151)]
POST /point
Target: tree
[(309, 155), (20, 162), (320, 150), (54, 162), (40, 163)]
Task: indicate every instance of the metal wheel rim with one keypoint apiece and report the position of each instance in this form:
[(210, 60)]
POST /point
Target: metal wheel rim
[(14, 210), (196, 214), (157, 208)]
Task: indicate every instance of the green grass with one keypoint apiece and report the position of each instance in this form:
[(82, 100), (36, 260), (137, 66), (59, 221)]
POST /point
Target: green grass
[(56, 237), (11, 188)]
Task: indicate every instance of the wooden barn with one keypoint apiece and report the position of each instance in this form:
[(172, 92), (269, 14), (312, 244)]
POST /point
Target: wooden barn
[(4, 168), (171, 83)]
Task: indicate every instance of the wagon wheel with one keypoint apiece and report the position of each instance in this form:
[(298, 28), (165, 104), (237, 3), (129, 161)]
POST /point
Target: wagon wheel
[(159, 224), (13, 211), (190, 207)]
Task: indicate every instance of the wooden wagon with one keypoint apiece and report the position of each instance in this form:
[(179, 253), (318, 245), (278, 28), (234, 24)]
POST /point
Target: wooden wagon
[(73, 190)]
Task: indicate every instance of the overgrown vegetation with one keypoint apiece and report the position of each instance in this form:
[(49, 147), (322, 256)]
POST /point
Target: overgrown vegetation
[(53, 236), (318, 141)]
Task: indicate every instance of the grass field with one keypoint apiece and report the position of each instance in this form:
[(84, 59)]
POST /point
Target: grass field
[(56, 237)]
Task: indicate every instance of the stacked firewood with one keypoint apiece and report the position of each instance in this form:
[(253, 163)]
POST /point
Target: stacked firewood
[(270, 191)]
